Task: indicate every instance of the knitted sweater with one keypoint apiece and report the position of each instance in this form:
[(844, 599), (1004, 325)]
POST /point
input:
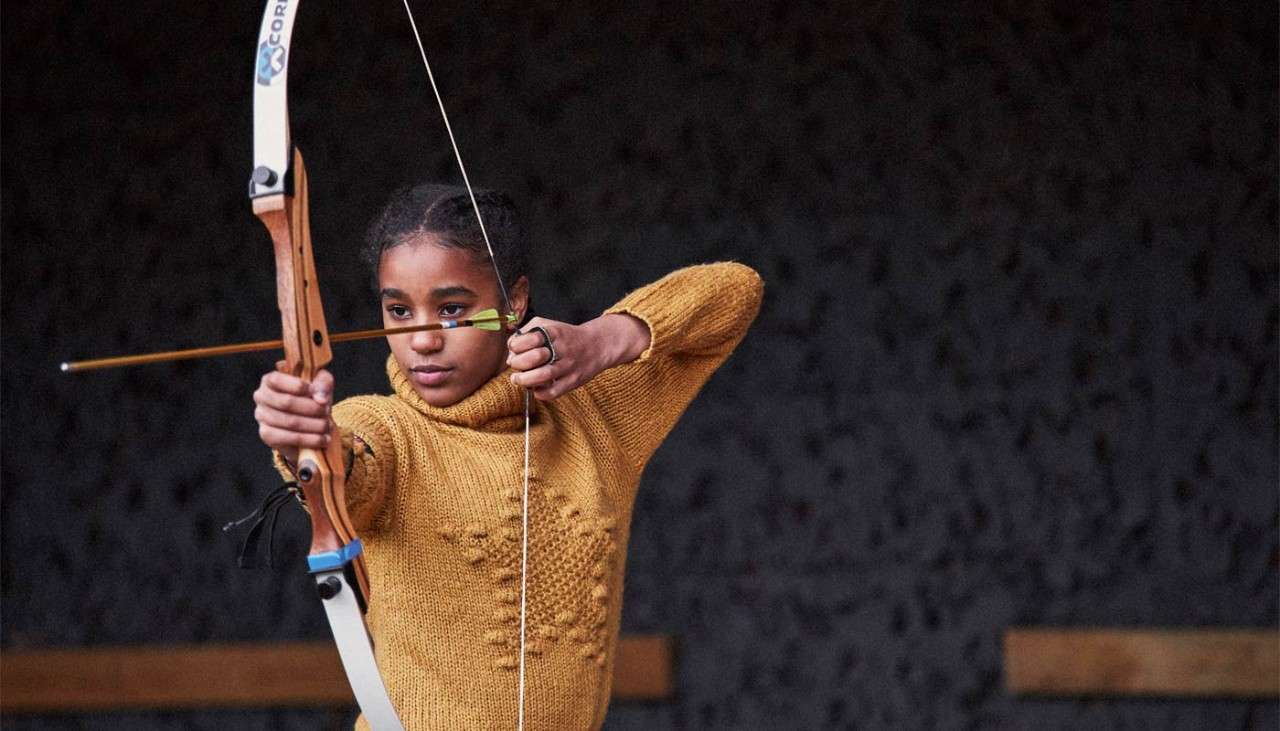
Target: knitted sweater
[(437, 501)]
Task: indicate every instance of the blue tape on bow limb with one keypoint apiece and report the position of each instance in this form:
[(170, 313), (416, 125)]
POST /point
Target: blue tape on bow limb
[(330, 560)]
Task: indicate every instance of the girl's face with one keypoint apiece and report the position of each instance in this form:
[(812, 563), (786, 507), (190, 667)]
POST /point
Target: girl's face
[(423, 281)]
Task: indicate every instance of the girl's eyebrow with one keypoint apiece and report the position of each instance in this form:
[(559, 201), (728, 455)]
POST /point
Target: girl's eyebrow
[(456, 290), (438, 293)]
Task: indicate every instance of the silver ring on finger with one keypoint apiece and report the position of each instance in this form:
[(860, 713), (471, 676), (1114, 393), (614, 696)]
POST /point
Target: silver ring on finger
[(546, 343)]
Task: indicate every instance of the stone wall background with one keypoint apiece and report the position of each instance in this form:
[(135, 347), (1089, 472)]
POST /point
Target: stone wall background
[(1016, 363)]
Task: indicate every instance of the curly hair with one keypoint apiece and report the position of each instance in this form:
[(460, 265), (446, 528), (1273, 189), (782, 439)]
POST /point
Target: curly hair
[(446, 212)]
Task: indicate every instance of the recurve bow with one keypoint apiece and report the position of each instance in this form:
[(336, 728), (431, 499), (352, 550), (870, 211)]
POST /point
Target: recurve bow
[(278, 190)]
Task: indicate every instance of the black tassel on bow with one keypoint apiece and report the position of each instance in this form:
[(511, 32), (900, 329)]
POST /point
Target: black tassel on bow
[(266, 514)]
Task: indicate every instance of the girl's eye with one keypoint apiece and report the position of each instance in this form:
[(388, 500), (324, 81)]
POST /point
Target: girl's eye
[(398, 312), (451, 311)]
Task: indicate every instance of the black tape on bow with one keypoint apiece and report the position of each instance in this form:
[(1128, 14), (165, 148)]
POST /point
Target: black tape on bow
[(266, 514)]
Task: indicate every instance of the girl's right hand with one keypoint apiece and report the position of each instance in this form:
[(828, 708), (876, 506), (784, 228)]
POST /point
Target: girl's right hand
[(293, 414)]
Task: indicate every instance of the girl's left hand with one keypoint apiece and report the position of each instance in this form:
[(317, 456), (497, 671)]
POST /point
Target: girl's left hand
[(581, 352)]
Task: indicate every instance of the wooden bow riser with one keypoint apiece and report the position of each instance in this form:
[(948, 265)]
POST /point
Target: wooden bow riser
[(306, 351)]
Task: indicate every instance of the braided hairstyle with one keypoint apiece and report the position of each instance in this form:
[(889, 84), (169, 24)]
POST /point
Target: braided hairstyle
[(445, 211)]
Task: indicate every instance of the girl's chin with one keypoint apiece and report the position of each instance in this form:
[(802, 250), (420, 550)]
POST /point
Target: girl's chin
[(438, 397)]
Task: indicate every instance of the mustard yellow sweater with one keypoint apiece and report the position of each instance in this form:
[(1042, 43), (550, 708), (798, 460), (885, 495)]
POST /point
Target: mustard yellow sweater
[(437, 500)]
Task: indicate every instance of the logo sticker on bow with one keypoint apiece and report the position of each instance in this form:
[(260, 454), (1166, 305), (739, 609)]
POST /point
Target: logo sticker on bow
[(271, 60)]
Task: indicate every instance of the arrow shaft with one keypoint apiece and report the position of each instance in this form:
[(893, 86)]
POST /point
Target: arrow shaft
[(212, 351)]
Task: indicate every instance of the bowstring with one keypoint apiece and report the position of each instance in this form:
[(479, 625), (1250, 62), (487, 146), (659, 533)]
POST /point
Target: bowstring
[(506, 305)]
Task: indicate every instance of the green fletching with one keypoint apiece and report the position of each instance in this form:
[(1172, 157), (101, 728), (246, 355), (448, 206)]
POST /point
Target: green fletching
[(487, 320)]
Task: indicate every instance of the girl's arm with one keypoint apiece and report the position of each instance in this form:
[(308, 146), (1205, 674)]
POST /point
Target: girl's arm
[(645, 359)]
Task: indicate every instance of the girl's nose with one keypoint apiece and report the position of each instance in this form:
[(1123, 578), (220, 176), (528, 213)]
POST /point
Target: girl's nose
[(427, 341)]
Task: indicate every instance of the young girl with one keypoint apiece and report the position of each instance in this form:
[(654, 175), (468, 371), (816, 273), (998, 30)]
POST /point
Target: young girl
[(436, 469)]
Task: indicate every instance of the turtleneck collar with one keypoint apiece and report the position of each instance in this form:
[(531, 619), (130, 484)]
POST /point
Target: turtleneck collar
[(498, 405)]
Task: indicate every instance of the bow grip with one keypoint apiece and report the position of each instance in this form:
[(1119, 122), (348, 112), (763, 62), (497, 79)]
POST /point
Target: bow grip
[(305, 339)]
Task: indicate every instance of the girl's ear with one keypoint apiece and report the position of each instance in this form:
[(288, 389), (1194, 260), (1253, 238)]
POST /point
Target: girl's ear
[(519, 295)]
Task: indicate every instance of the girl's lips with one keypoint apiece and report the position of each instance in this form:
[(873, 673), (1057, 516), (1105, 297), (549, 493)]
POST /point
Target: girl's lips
[(431, 376)]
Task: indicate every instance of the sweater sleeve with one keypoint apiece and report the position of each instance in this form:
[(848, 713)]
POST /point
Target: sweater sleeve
[(367, 441), (696, 317)]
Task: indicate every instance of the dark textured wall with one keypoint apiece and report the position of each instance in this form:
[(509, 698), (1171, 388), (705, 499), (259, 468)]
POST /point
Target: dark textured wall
[(1016, 364)]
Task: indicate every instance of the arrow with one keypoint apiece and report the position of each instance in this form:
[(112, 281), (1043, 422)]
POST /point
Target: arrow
[(483, 320)]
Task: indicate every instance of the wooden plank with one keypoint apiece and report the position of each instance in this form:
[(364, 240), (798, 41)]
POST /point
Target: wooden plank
[(643, 669), (246, 675), (172, 677), (1208, 663)]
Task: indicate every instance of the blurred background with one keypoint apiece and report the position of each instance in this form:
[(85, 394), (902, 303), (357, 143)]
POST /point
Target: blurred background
[(1016, 364)]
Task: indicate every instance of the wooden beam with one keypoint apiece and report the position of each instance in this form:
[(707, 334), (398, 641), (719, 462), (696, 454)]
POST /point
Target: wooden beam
[(1207, 663), (246, 675), (644, 668)]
